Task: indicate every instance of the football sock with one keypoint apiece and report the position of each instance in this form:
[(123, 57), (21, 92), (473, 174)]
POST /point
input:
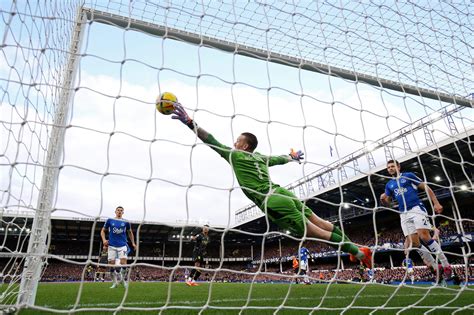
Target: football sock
[(337, 230), (436, 249), (347, 247), (197, 274), (426, 256), (123, 273), (191, 275)]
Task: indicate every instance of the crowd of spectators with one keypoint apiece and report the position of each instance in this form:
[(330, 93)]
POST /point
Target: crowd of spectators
[(273, 248), (275, 253), (60, 271)]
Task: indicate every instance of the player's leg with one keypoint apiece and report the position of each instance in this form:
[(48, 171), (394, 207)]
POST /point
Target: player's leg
[(197, 274), (123, 272), (122, 255), (413, 241), (284, 209), (435, 248), (423, 228), (112, 256), (328, 226), (412, 275), (304, 272)]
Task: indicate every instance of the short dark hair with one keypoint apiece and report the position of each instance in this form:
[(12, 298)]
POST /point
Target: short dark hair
[(251, 140), (119, 207), (393, 161)]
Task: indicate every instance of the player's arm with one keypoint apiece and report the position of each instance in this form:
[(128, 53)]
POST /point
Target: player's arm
[(102, 233), (385, 199), (131, 237), (438, 208), (296, 156), (181, 115)]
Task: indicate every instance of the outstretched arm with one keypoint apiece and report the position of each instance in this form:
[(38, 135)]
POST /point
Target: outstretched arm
[(181, 115), (283, 159)]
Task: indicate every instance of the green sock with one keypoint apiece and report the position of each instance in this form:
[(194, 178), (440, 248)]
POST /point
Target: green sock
[(338, 231), (347, 247)]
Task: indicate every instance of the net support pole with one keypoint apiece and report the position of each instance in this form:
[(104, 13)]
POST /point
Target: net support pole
[(37, 246)]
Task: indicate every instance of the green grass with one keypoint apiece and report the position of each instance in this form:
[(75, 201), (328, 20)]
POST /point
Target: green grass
[(231, 298)]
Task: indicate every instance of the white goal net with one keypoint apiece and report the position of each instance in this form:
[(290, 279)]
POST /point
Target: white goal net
[(353, 85)]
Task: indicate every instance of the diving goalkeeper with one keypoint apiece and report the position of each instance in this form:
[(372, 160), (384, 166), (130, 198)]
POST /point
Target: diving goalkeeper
[(280, 205)]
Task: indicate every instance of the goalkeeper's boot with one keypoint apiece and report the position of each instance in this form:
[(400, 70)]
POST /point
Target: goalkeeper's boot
[(194, 283), (189, 282), (114, 285), (367, 260)]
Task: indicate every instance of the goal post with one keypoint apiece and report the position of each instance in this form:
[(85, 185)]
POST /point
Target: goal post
[(39, 240)]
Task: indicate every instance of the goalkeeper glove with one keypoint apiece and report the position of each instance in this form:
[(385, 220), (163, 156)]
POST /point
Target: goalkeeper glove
[(296, 155), (181, 115)]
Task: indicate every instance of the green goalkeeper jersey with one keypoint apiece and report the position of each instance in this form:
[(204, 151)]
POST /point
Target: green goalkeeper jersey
[(251, 169)]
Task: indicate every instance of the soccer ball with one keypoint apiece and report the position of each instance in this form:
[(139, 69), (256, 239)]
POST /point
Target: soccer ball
[(165, 103)]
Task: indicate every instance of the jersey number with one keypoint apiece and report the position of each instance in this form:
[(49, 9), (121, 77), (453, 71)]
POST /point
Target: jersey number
[(260, 175)]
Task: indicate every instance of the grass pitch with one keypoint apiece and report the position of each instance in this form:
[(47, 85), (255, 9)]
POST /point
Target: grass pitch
[(242, 298)]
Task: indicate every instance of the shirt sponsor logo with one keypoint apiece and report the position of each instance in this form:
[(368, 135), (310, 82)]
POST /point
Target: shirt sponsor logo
[(400, 191), (117, 231)]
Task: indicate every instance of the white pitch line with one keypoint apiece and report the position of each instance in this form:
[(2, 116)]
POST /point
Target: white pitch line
[(174, 302)]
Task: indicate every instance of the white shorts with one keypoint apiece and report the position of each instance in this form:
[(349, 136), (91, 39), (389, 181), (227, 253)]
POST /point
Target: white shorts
[(414, 219), (303, 265), (410, 270), (117, 252)]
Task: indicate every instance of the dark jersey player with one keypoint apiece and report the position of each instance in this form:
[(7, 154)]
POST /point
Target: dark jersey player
[(199, 252)]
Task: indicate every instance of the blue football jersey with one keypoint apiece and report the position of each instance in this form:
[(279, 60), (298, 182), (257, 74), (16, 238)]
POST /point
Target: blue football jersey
[(408, 263), (304, 254), (405, 190), (117, 232)]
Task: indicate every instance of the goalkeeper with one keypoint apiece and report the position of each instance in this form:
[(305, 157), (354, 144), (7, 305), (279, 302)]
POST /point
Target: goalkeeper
[(280, 205)]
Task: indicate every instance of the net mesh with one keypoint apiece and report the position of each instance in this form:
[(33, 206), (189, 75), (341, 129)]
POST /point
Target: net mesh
[(119, 151)]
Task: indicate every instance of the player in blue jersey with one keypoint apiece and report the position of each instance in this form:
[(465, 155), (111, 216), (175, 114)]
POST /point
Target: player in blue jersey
[(408, 264), (300, 264), (304, 267), (118, 229), (413, 215), (371, 274)]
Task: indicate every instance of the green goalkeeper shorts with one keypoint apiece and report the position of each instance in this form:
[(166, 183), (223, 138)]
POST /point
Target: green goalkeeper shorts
[(287, 211)]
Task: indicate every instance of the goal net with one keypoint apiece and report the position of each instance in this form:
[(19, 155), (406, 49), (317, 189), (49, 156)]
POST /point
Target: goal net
[(353, 85)]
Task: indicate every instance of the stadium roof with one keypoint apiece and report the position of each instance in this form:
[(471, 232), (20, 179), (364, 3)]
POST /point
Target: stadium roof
[(450, 177)]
